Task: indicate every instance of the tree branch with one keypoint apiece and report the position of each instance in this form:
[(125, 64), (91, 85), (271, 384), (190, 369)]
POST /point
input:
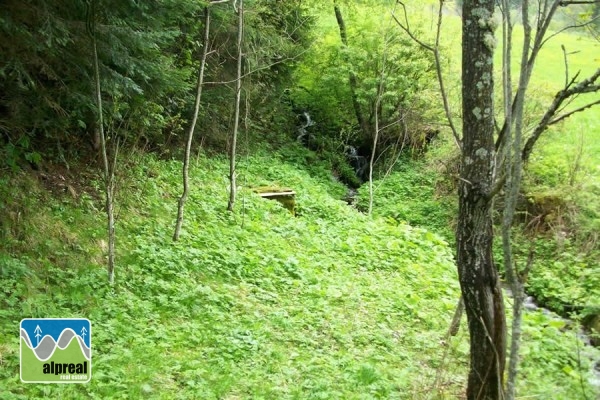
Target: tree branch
[(406, 28), (567, 3), (566, 28), (585, 86), (438, 66), (567, 115), (257, 69)]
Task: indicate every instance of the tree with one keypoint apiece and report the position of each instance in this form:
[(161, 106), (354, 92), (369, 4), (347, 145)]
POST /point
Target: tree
[(362, 122), (46, 76), (490, 164), (480, 285), (188, 147), (109, 168), (341, 83), (513, 155), (236, 117), (479, 281)]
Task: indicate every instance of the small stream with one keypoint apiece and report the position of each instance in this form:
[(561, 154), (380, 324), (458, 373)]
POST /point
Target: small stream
[(358, 163), (588, 351)]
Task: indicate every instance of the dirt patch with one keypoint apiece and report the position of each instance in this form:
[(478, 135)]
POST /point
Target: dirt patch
[(73, 182), (545, 212)]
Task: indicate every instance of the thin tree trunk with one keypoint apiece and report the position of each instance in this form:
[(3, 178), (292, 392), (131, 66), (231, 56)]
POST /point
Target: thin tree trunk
[(373, 152), (108, 174), (188, 147), (515, 340), (238, 92), (512, 171), (478, 277), (362, 122), (380, 89)]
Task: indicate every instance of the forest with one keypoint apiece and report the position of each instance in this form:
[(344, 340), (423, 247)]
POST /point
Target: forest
[(300, 199)]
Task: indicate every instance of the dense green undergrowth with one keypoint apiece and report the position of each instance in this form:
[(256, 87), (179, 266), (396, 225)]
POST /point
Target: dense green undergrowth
[(260, 304), (564, 277), (256, 304)]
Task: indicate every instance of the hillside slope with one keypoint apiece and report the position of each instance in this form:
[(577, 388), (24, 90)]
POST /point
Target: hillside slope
[(255, 304)]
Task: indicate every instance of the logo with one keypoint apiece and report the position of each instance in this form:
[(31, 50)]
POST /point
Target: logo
[(56, 350)]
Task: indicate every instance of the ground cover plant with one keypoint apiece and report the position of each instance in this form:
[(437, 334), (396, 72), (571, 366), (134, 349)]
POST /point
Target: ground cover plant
[(318, 302), (556, 218), (257, 304)]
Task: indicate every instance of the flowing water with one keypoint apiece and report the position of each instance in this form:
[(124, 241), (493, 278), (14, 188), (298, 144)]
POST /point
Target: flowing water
[(588, 351)]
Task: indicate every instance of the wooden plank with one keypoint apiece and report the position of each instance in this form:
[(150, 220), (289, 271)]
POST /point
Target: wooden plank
[(277, 194)]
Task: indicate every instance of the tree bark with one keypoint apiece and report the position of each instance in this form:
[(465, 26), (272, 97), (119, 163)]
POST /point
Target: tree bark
[(362, 122), (478, 277), (188, 147), (238, 92)]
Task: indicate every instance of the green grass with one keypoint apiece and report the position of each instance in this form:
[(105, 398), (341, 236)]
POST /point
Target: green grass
[(261, 305), (257, 304)]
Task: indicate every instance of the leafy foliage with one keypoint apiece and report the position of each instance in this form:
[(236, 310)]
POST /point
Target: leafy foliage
[(239, 298), (254, 304), (258, 304), (409, 196), (46, 69), (147, 57), (387, 66)]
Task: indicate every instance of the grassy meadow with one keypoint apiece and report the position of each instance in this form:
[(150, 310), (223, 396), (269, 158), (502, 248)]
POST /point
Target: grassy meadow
[(252, 305), (261, 304)]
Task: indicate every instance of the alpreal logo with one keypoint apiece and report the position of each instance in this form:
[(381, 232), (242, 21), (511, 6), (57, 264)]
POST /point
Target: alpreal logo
[(56, 350)]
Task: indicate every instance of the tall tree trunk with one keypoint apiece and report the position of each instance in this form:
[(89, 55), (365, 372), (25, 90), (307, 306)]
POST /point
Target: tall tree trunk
[(362, 122), (238, 92), (478, 277), (108, 170), (188, 147)]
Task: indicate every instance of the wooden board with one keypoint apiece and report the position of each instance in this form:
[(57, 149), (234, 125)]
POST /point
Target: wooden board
[(277, 194)]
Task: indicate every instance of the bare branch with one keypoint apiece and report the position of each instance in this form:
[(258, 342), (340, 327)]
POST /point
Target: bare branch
[(406, 28), (562, 46), (438, 70), (585, 86), (566, 28), (546, 10), (438, 65), (567, 3), (543, 23), (567, 115), (258, 69)]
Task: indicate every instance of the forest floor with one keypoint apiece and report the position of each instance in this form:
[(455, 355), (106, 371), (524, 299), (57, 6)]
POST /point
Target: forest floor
[(255, 304), (326, 304)]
